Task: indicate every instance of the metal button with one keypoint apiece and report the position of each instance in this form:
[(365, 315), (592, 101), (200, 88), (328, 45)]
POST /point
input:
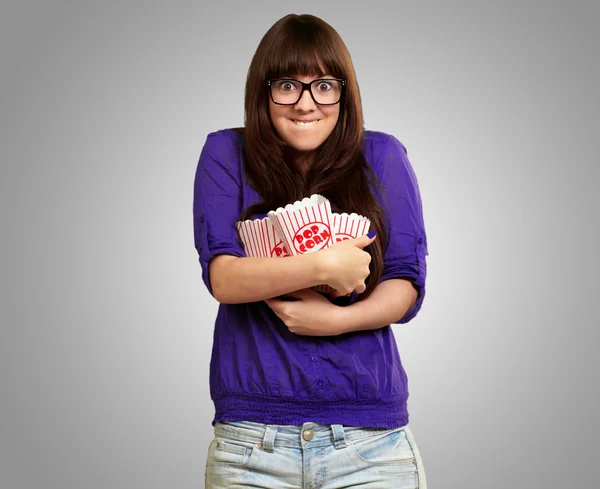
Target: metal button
[(308, 435)]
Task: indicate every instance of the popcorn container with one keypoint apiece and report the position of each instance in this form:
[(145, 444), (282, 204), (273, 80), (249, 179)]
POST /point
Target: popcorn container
[(304, 226), (260, 238), (346, 226), (350, 226)]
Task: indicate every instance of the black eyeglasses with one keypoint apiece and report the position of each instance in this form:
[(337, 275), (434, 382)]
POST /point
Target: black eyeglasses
[(324, 91)]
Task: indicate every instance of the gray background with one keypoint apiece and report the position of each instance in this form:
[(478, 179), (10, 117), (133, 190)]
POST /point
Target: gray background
[(106, 326)]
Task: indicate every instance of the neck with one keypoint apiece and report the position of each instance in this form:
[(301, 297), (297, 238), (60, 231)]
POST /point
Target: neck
[(303, 161)]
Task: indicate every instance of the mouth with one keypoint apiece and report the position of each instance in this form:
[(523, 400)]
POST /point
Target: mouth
[(307, 123)]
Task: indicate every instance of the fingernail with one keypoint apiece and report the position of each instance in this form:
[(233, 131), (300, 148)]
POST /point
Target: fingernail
[(371, 233)]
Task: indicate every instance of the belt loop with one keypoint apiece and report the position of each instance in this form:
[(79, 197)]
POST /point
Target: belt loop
[(339, 436), (269, 438)]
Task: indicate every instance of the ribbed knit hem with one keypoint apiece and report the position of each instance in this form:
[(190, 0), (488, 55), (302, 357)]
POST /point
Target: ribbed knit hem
[(369, 413)]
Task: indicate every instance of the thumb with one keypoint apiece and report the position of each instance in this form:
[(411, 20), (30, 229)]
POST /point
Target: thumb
[(366, 240)]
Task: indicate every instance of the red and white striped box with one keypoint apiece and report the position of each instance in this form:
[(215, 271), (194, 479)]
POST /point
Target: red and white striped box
[(302, 227), (346, 226), (306, 225), (350, 226), (260, 238)]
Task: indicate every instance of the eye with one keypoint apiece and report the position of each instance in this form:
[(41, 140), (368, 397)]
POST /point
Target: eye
[(324, 86), (286, 86)]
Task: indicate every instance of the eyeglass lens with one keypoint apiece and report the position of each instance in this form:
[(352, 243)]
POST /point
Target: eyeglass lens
[(288, 91)]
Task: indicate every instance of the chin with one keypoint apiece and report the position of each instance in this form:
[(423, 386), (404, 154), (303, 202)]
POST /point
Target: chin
[(306, 142), (306, 147)]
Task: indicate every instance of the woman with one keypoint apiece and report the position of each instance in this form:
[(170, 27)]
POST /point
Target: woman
[(309, 390)]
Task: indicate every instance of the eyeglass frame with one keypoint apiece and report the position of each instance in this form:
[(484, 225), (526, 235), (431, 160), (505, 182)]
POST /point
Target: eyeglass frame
[(306, 86)]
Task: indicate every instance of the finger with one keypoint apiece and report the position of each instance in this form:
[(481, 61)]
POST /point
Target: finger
[(366, 239)]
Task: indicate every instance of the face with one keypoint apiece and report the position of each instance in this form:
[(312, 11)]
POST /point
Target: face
[(304, 138)]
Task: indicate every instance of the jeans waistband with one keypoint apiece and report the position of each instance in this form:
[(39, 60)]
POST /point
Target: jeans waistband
[(309, 434)]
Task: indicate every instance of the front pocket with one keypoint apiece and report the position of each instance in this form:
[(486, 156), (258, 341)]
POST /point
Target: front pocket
[(385, 447), (226, 451), (229, 459)]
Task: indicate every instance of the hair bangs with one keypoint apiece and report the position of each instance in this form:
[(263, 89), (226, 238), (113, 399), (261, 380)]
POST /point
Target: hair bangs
[(303, 53)]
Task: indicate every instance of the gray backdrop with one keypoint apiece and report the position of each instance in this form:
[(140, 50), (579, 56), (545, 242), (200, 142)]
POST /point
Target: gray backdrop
[(106, 326)]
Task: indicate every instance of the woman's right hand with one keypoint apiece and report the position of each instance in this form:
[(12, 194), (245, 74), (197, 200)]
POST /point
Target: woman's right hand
[(345, 265)]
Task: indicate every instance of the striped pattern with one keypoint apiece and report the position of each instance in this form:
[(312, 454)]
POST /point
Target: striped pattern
[(260, 238), (302, 227)]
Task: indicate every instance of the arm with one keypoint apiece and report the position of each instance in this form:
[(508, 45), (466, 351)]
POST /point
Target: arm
[(343, 266), (251, 279), (229, 275), (405, 266), (400, 291), (388, 303)]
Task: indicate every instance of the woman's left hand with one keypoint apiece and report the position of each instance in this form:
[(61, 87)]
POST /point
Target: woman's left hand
[(310, 315)]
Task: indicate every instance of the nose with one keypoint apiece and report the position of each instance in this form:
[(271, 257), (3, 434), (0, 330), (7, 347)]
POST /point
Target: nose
[(306, 101)]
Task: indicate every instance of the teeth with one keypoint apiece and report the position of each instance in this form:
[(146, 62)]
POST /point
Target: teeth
[(312, 123)]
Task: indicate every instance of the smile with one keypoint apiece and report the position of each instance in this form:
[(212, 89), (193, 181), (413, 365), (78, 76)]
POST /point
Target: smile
[(306, 124)]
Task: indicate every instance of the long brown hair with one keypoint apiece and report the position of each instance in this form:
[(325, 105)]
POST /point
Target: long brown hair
[(305, 44)]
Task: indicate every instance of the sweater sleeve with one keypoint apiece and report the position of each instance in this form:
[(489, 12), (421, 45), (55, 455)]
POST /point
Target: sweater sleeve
[(217, 200), (406, 248)]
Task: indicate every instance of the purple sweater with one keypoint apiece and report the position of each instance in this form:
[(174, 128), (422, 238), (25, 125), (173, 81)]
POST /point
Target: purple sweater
[(262, 372)]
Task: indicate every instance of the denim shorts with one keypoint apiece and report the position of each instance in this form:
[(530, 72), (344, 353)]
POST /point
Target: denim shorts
[(312, 455)]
